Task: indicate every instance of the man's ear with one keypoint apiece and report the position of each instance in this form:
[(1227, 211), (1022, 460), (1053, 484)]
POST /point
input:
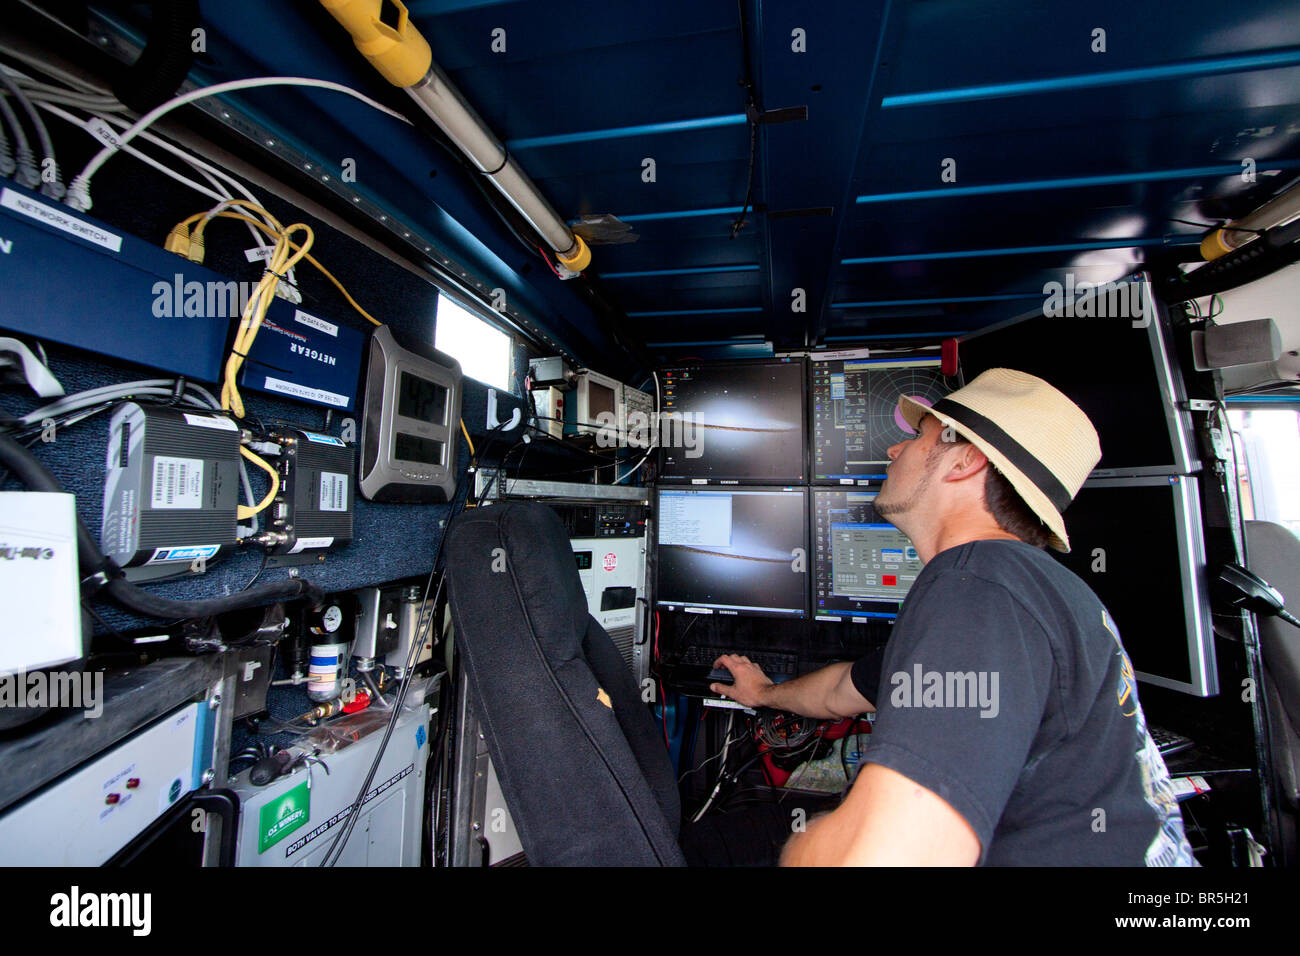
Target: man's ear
[(967, 463)]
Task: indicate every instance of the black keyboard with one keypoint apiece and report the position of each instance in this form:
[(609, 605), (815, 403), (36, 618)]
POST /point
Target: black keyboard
[(698, 660), (1169, 742)]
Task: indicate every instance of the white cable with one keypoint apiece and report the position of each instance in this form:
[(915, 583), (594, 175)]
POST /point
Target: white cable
[(79, 189), (148, 160), (91, 104), (7, 162), (27, 174), (47, 91), (54, 187), (722, 771), (96, 396), (654, 440), (41, 66), (208, 170)]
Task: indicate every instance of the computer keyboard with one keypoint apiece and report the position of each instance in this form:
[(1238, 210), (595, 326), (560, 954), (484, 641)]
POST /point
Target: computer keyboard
[(778, 667), (1169, 742)]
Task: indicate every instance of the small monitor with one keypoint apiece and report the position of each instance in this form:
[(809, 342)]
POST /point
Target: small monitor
[(597, 404), (855, 410), (1137, 543), (734, 422), (733, 551), (863, 567)]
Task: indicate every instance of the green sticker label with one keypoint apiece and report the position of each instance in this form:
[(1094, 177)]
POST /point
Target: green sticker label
[(282, 816)]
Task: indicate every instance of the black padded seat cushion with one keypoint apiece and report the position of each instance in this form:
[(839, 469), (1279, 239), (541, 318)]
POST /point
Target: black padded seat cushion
[(587, 782)]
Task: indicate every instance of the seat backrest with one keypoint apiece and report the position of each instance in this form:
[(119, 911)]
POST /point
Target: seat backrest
[(582, 767), (1274, 552)]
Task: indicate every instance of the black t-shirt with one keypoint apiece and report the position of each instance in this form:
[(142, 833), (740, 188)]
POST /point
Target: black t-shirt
[(1005, 689)]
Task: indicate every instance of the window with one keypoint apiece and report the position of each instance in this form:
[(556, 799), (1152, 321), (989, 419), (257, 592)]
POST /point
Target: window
[(482, 349), (1268, 450)]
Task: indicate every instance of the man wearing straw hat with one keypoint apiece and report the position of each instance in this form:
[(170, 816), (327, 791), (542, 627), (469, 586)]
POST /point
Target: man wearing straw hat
[(1007, 727)]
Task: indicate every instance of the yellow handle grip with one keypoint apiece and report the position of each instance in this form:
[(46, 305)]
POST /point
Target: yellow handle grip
[(384, 34)]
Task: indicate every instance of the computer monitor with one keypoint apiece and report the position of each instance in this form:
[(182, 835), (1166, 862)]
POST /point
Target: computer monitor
[(863, 567), (1137, 543), (1115, 367), (734, 421), (855, 409), (733, 551)]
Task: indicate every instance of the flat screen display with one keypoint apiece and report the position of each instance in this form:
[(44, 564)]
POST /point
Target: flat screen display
[(421, 399), (855, 411), (740, 421), (413, 448), (733, 551), (1111, 370), (600, 398), (1126, 545), (863, 567)]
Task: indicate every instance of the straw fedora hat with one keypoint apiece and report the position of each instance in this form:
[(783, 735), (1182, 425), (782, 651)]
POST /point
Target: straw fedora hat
[(1037, 438)]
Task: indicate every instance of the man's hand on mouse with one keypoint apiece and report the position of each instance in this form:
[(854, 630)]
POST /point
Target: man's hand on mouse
[(750, 681)]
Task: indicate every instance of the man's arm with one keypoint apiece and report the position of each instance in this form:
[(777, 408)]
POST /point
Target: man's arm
[(886, 820), (826, 694)]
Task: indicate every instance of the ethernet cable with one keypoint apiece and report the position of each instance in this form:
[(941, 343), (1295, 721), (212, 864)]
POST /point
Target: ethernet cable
[(251, 511), (54, 188), (308, 257), (25, 162), (7, 162), (148, 387), (144, 158), (79, 189), (49, 92), (69, 79), (218, 192), (283, 256), (206, 169)]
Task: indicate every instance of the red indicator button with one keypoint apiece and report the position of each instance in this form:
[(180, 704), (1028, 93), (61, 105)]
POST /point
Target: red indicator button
[(112, 798), (890, 580), (133, 783)]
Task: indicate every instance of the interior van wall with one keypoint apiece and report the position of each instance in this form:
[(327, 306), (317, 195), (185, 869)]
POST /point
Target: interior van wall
[(391, 541)]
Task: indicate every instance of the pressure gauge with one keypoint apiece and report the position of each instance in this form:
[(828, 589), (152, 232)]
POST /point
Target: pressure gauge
[(332, 618)]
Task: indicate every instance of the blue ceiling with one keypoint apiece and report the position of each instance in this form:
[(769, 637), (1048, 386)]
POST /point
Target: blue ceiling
[(1066, 159)]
